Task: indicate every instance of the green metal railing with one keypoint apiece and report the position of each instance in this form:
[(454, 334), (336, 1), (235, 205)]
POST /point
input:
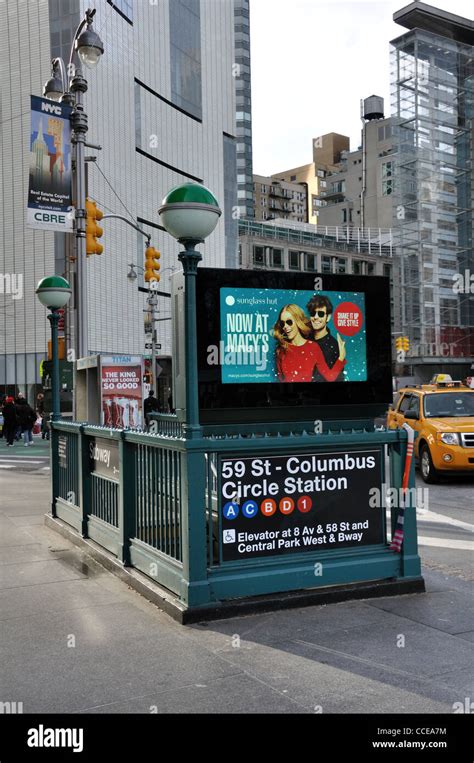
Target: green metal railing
[(104, 500), (67, 472), (158, 493), (159, 511)]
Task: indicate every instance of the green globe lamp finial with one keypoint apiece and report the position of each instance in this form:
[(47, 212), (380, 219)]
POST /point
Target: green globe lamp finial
[(190, 212), (53, 292)]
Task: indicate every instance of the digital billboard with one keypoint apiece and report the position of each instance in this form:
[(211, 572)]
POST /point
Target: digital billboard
[(286, 346), (292, 336)]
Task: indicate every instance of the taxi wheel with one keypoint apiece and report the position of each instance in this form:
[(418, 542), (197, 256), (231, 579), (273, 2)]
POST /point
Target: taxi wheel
[(428, 471)]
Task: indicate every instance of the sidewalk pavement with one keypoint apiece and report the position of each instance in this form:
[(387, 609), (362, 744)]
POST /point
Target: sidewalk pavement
[(76, 639)]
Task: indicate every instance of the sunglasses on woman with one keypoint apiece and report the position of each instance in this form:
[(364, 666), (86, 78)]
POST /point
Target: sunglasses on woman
[(288, 322)]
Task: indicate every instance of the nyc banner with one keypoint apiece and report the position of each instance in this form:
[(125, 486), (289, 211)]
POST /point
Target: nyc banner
[(49, 193)]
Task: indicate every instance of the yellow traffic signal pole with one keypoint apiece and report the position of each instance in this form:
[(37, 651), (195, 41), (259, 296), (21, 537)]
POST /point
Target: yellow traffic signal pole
[(152, 299)]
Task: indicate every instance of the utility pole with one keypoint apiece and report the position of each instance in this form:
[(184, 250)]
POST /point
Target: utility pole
[(152, 301)]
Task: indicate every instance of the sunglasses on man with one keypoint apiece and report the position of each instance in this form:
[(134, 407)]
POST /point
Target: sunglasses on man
[(319, 313)]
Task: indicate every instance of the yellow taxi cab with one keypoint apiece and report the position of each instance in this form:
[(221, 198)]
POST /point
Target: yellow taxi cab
[(442, 413)]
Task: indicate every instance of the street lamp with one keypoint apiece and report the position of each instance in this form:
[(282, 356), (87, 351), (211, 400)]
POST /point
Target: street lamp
[(54, 292), (68, 86), (190, 213)]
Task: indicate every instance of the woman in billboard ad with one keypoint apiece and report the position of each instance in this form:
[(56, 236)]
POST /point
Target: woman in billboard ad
[(299, 358)]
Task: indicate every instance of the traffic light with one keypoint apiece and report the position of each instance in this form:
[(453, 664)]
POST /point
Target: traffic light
[(402, 343), (152, 265), (93, 231)]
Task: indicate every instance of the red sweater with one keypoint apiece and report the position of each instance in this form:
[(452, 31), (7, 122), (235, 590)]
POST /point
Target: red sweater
[(298, 362)]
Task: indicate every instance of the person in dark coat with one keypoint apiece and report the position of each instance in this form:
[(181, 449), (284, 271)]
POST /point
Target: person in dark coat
[(151, 405), (26, 419), (43, 416), (10, 421)]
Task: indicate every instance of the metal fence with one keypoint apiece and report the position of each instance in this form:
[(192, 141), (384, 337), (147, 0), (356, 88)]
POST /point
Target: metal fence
[(152, 500)]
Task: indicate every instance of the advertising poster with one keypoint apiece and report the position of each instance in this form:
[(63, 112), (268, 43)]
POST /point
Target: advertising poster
[(49, 192), (283, 335), (122, 391), (272, 505)]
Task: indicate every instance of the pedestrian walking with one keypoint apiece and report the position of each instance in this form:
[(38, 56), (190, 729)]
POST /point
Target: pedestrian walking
[(19, 400), (151, 406), (10, 421), (26, 420), (43, 416)]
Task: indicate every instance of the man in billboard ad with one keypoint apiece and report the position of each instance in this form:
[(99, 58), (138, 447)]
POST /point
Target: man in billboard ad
[(49, 194), (122, 392), (286, 336)]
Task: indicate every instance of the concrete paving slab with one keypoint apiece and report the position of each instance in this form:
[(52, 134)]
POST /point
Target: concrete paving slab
[(13, 536), (87, 676), (272, 627), (444, 610), (71, 594), (331, 681), (26, 520), (233, 694), (47, 633), (462, 680), (29, 552), (468, 636), (18, 575)]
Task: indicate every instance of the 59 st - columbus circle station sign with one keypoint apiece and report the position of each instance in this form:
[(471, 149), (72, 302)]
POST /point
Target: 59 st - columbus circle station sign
[(272, 505)]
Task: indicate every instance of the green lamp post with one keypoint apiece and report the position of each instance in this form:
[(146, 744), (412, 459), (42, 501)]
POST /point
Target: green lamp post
[(54, 292), (190, 213)]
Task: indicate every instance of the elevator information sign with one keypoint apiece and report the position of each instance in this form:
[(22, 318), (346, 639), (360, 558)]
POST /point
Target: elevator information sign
[(272, 505)]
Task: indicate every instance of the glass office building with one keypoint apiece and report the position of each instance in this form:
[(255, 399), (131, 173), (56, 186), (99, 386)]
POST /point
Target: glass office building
[(243, 97), (432, 105)]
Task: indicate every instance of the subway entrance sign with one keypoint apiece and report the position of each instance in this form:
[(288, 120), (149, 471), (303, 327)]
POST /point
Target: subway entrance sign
[(285, 504)]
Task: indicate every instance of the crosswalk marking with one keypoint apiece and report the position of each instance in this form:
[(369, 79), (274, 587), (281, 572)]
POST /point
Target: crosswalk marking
[(20, 461), (460, 545)]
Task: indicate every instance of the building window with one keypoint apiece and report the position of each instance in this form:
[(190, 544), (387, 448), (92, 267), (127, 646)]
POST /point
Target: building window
[(294, 261), (277, 258), (356, 267), (448, 312), (185, 49), (326, 265), (231, 225), (293, 178), (387, 187), (387, 169), (310, 262), (124, 8), (370, 268), (320, 173), (344, 215), (385, 132), (341, 265), (429, 315), (387, 270), (259, 258)]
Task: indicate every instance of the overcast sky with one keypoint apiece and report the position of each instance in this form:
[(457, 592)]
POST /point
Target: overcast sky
[(312, 62)]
